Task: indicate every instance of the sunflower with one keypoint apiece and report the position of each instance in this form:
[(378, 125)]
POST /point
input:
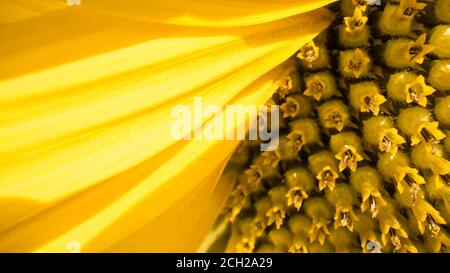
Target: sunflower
[(87, 161)]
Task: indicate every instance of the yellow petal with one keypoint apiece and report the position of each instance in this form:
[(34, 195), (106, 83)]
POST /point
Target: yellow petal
[(124, 204), (210, 12), (13, 11), (182, 227)]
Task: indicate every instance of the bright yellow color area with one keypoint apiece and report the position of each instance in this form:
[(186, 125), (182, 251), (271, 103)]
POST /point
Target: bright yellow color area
[(86, 94)]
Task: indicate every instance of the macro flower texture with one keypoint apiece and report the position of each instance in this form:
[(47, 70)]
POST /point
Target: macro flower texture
[(88, 161)]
